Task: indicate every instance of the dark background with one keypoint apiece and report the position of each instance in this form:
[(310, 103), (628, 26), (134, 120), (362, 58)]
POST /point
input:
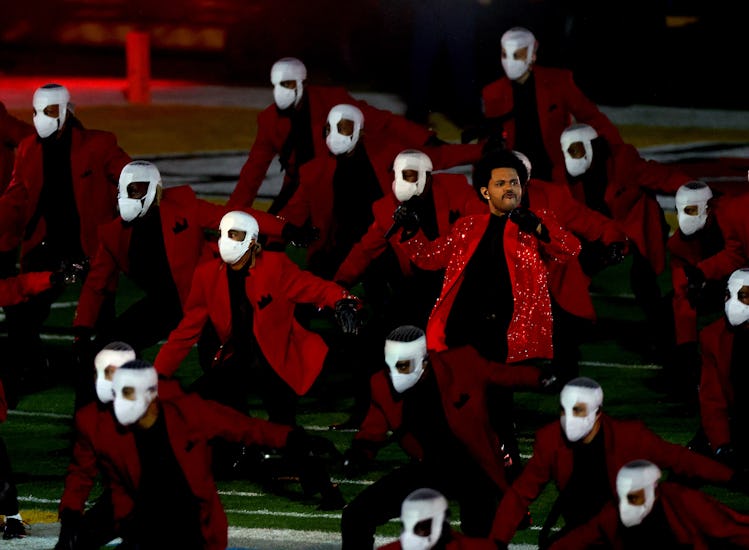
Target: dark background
[(684, 53)]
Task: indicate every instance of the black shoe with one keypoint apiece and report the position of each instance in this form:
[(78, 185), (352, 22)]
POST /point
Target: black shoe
[(13, 529)]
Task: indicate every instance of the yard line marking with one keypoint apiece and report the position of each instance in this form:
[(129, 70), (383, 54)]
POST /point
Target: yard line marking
[(16, 412), (241, 494), (29, 498), (646, 366)]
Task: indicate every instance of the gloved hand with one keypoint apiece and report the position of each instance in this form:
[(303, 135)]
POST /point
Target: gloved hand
[(407, 216), (696, 283), (300, 443), (300, 236), (69, 273), (614, 253), (355, 462), (70, 525), (347, 315), (726, 454), (548, 381), (526, 220)]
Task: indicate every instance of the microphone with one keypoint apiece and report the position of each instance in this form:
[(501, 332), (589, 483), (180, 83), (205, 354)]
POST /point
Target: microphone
[(393, 228)]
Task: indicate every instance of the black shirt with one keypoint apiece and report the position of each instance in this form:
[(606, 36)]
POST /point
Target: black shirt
[(483, 307), (653, 532), (164, 496), (528, 138)]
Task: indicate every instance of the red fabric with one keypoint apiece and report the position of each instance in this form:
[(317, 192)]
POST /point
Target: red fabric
[(12, 131), (560, 103), (696, 519), (184, 220), (568, 284), (96, 162), (459, 542), (453, 197), (529, 334), (314, 198), (462, 376), (624, 440), (274, 286), (273, 129), (716, 391), (734, 224), (630, 197), (15, 290), (192, 422)]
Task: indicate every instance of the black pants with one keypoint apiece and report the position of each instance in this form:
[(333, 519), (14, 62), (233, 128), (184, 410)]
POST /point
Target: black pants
[(97, 527), (8, 492), (476, 494)]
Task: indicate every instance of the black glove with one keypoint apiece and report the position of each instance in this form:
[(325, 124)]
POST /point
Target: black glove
[(408, 217), (300, 236), (69, 273), (696, 282), (613, 254), (355, 462), (70, 528), (548, 381), (347, 315), (527, 221), (726, 454)]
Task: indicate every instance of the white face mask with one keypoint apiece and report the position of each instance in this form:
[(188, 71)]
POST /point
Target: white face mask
[(512, 41), (578, 427), (286, 97), (104, 359), (584, 134), (697, 196), (137, 171), (413, 512), (44, 97), (410, 160), (737, 312), (232, 251), (337, 143), (634, 479), (144, 383), (283, 70), (415, 352)]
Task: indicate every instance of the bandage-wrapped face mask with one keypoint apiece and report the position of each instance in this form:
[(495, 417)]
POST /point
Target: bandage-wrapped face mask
[(577, 426), (577, 146), (405, 352), (737, 290), (105, 362), (512, 42), (45, 98), (415, 161), (286, 70), (234, 225), (635, 486), (691, 206), (344, 126), (134, 390), (423, 515), (139, 183)]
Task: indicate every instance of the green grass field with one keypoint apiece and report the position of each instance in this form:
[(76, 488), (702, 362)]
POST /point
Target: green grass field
[(38, 434)]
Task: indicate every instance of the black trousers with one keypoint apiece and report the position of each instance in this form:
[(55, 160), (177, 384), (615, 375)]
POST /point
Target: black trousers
[(477, 496), (8, 492)]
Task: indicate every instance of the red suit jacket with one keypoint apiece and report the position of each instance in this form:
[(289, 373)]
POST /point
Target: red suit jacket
[(568, 283), (453, 197), (683, 251), (632, 183), (716, 389), (560, 103), (96, 162), (695, 519), (274, 286), (529, 334), (462, 377), (93, 422), (191, 422), (12, 131), (459, 542), (273, 129), (624, 440), (184, 220), (735, 228)]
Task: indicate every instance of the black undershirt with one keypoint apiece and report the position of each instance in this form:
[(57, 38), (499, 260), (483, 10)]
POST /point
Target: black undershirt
[(483, 307), (528, 138), (653, 532)]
